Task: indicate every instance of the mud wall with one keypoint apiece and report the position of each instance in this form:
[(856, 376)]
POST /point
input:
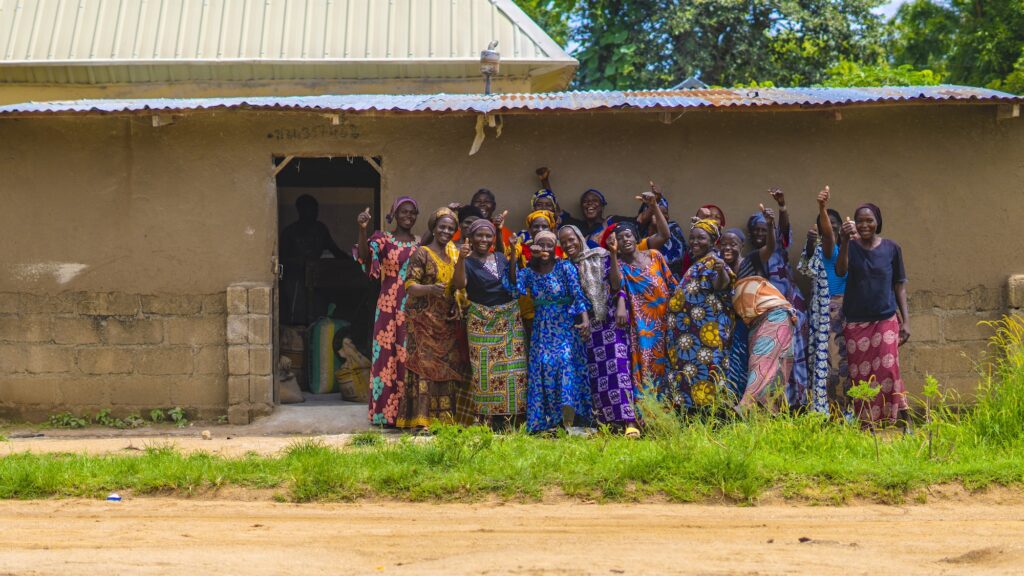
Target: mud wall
[(98, 205)]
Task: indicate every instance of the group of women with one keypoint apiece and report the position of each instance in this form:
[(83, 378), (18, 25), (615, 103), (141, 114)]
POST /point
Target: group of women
[(571, 323)]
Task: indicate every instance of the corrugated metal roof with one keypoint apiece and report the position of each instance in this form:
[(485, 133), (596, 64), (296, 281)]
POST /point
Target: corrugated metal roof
[(552, 102), (111, 41)]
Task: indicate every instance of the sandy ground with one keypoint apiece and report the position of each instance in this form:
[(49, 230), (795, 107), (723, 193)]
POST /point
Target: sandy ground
[(178, 536), (221, 444)]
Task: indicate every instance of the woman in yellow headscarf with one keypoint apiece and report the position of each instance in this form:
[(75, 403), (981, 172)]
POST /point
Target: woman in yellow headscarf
[(701, 320), (437, 376), (520, 253)]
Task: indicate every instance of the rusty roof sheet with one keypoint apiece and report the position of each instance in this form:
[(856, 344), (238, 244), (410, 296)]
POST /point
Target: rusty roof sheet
[(720, 98)]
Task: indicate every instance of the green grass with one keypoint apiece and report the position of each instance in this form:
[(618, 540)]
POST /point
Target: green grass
[(796, 456)]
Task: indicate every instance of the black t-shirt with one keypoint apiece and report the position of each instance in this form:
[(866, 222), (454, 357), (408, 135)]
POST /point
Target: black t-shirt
[(483, 287), (870, 286)]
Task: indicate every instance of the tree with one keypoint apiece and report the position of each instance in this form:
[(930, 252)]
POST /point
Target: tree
[(851, 74), (551, 15), (656, 43), (975, 42)]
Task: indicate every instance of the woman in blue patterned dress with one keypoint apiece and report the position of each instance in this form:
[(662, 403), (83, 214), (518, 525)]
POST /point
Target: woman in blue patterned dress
[(608, 354), (702, 318), (558, 391)]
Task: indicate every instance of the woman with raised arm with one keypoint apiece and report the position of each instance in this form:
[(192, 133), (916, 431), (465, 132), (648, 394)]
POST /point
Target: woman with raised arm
[(558, 393), (731, 246), (702, 318), (649, 284), (437, 369), (776, 269), (877, 319), (611, 385), (385, 256), (497, 350), (825, 316)]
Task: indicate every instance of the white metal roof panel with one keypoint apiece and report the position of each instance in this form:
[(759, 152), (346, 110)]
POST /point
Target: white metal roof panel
[(52, 38)]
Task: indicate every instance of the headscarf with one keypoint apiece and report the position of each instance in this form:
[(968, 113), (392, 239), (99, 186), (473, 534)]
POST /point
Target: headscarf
[(438, 214), (590, 263), (398, 202), (874, 210), (481, 223), (603, 238), (545, 234), (595, 192), (710, 226), (737, 233), (541, 213), (755, 219), (432, 222), (715, 207), (543, 193)]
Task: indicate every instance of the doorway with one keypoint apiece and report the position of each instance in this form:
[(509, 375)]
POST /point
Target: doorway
[(325, 303)]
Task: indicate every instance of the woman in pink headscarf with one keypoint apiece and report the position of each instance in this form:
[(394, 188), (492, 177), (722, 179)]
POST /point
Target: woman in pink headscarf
[(385, 256)]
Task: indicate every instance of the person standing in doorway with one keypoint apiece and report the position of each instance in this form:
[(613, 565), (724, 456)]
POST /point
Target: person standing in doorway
[(302, 242)]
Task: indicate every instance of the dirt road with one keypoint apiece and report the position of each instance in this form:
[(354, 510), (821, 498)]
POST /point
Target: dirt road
[(176, 536)]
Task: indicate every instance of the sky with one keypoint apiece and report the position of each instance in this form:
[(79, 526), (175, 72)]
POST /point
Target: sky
[(891, 7)]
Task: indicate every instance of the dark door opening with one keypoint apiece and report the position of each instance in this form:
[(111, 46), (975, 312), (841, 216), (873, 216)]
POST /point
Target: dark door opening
[(319, 199)]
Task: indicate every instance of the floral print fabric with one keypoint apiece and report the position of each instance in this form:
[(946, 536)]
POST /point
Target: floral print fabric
[(702, 319), (649, 289), (388, 263), (557, 365)]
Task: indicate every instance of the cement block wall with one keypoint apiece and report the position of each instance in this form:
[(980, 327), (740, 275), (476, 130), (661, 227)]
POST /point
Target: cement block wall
[(83, 351)]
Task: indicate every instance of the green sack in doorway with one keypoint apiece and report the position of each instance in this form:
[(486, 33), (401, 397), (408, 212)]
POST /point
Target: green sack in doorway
[(322, 360)]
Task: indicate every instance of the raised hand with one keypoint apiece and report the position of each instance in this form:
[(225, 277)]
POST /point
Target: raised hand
[(702, 214), (812, 235), (465, 249), (543, 173), (454, 206), (778, 196), (849, 229), (768, 213), (650, 199), (499, 221), (612, 243), (363, 219), (655, 189), (823, 197)]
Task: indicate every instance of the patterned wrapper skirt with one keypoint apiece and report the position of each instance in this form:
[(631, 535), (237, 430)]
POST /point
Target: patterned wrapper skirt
[(436, 388), (497, 352), (771, 358), (873, 354), (608, 369)]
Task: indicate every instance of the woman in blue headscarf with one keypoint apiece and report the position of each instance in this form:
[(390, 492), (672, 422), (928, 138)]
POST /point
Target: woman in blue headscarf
[(776, 269)]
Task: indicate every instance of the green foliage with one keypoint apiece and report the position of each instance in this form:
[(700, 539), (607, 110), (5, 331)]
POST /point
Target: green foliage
[(978, 42), (178, 417), (157, 416), (657, 43), (551, 15), (103, 418), (852, 74), (67, 420)]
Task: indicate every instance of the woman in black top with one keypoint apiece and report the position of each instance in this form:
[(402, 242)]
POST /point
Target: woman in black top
[(875, 305), (497, 348)]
